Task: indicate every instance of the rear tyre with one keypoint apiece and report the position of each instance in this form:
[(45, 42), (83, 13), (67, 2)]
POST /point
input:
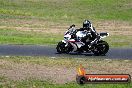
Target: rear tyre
[(101, 48)]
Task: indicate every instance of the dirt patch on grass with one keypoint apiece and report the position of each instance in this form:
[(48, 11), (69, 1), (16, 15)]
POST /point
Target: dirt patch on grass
[(61, 74), (24, 71), (113, 27)]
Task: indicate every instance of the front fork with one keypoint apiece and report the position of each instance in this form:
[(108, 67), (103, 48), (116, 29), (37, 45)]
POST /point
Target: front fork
[(72, 44), (66, 43)]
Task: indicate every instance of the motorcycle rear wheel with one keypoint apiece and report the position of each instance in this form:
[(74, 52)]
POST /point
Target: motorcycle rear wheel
[(101, 48)]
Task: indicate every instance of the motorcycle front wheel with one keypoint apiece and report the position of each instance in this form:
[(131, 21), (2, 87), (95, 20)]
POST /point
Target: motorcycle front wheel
[(61, 48), (101, 48)]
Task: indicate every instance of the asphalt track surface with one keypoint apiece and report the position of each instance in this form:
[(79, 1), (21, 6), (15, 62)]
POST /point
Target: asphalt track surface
[(37, 50)]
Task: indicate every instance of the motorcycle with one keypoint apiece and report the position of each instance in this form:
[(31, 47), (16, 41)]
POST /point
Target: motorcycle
[(73, 43)]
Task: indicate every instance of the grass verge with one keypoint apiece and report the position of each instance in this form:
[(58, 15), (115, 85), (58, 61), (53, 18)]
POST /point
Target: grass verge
[(34, 83), (68, 10), (30, 37), (58, 70), (13, 36), (49, 17)]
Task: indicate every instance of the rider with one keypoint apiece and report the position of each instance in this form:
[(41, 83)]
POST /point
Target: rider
[(88, 27)]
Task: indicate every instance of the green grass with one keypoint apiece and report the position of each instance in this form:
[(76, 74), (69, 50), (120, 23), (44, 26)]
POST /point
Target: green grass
[(34, 83), (50, 14), (96, 64), (118, 66), (119, 41), (24, 37), (62, 61), (68, 10), (11, 36)]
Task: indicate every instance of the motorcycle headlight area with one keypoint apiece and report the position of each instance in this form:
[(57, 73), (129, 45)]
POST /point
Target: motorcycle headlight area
[(66, 38)]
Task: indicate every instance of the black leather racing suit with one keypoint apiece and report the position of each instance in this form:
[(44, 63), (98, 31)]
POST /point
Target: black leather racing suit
[(94, 36)]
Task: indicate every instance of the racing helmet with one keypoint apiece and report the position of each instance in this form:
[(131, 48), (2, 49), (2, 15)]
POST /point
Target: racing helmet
[(86, 24)]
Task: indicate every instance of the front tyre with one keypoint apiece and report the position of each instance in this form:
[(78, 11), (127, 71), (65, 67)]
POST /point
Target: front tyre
[(61, 48), (101, 48)]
